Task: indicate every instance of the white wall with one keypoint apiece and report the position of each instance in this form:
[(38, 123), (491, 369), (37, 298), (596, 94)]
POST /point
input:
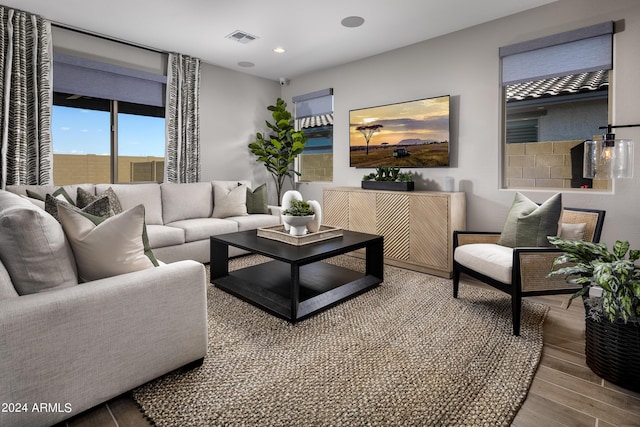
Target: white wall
[(465, 65)]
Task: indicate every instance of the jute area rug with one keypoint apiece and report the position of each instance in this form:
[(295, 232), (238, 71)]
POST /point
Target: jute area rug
[(403, 354)]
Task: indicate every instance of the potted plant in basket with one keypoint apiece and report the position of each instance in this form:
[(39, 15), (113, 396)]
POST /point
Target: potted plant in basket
[(388, 178), (612, 332), (278, 150)]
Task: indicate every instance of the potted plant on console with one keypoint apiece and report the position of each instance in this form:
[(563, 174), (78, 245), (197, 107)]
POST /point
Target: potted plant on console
[(612, 332), (388, 178), (280, 147)]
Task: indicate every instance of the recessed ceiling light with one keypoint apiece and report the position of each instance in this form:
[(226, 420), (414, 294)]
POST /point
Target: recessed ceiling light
[(352, 21), (246, 64), (279, 50)]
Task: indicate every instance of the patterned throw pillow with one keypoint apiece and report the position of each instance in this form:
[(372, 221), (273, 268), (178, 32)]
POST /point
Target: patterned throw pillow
[(85, 198), (100, 207), (106, 247), (528, 224), (257, 200)]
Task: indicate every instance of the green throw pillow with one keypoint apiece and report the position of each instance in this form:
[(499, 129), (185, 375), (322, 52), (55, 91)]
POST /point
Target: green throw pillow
[(528, 224), (257, 200)]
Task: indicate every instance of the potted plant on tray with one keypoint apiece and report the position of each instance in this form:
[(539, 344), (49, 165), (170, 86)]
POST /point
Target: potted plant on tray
[(278, 150), (388, 178), (297, 216), (612, 332)]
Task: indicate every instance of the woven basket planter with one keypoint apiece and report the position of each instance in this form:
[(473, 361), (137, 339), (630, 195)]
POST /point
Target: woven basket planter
[(613, 352)]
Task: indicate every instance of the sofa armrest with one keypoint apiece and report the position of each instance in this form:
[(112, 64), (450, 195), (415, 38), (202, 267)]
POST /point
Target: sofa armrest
[(275, 210), (83, 345)]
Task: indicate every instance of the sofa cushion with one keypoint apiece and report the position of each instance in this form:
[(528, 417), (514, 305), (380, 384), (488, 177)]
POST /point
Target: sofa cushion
[(59, 194), (228, 203), (6, 287), (528, 224), (43, 190), (251, 222), (163, 235), (107, 247), (203, 228), (186, 201), (85, 198), (33, 247), (489, 259), (131, 195), (100, 207), (257, 200)]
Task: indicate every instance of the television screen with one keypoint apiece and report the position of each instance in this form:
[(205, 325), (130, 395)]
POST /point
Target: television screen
[(406, 134)]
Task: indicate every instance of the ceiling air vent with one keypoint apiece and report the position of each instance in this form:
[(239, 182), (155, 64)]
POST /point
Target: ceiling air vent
[(241, 37)]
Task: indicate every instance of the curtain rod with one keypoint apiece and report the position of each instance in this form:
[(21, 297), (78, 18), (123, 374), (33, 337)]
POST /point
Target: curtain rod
[(105, 37)]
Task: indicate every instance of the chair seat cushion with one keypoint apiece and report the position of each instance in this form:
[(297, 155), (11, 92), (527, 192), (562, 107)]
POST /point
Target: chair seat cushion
[(495, 261)]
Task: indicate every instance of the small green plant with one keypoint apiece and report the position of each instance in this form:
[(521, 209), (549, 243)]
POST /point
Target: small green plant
[(592, 264), (298, 208), (387, 173)]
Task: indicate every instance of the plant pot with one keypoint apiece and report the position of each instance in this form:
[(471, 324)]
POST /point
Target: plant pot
[(612, 351), (297, 224), (388, 185)]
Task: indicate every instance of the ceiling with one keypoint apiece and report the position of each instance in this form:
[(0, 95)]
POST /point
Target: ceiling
[(310, 31)]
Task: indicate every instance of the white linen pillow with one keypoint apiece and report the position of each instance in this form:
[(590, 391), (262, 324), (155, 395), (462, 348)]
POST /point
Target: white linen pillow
[(228, 203), (107, 247)]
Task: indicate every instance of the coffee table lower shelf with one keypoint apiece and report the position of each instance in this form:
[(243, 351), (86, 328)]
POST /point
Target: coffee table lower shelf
[(269, 286)]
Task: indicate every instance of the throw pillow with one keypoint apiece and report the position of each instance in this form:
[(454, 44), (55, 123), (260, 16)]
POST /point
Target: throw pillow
[(257, 200), (100, 207), (60, 194), (85, 198), (107, 247), (528, 224), (228, 203), (33, 247), (573, 231)]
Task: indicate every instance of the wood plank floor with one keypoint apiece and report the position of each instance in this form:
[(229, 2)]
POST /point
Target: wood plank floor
[(564, 392)]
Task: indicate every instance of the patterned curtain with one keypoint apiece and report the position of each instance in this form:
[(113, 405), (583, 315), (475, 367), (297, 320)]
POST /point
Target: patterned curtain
[(25, 98), (182, 160)]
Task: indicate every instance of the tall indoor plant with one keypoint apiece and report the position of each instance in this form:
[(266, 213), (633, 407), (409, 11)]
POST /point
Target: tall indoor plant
[(278, 150), (612, 333)]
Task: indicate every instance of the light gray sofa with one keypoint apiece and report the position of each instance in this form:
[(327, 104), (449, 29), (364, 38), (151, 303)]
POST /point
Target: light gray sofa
[(178, 216), (66, 347)]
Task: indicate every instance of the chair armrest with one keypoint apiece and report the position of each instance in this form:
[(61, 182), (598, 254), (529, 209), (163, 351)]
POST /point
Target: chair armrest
[(463, 237), (534, 264)]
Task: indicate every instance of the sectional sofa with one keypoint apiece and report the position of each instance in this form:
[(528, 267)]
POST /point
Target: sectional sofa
[(178, 216), (68, 344)]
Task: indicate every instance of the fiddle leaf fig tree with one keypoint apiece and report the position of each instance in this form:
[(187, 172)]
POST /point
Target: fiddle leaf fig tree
[(280, 147)]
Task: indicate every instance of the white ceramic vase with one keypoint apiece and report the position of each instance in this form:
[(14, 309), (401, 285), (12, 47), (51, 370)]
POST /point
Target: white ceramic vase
[(297, 224), (314, 225), (285, 203)]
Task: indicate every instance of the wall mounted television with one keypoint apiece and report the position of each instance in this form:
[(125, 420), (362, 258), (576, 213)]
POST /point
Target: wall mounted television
[(406, 134)]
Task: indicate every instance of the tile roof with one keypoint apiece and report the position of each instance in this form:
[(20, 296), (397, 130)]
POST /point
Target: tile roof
[(315, 121), (563, 85)]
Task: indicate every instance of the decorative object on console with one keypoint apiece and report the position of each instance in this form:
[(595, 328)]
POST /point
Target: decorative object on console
[(609, 158), (414, 133), (613, 319), (278, 150), (388, 178), (297, 216)]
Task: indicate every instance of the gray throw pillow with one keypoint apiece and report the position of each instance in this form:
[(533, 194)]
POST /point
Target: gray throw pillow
[(85, 198), (100, 207), (257, 200), (528, 224)]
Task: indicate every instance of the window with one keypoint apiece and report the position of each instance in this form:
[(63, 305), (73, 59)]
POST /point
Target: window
[(107, 123), (314, 116), (556, 92), (86, 151)]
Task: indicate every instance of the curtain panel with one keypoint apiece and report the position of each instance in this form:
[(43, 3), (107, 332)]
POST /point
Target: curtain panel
[(182, 159), (25, 99)]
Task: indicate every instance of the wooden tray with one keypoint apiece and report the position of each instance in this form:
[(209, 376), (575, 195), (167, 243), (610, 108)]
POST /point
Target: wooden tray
[(277, 232)]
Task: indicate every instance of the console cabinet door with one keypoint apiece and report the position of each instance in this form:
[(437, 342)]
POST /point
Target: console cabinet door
[(362, 212), (335, 210), (392, 211), (429, 237)]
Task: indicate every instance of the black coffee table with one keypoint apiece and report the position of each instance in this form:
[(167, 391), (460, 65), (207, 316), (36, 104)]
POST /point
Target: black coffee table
[(296, 284)]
